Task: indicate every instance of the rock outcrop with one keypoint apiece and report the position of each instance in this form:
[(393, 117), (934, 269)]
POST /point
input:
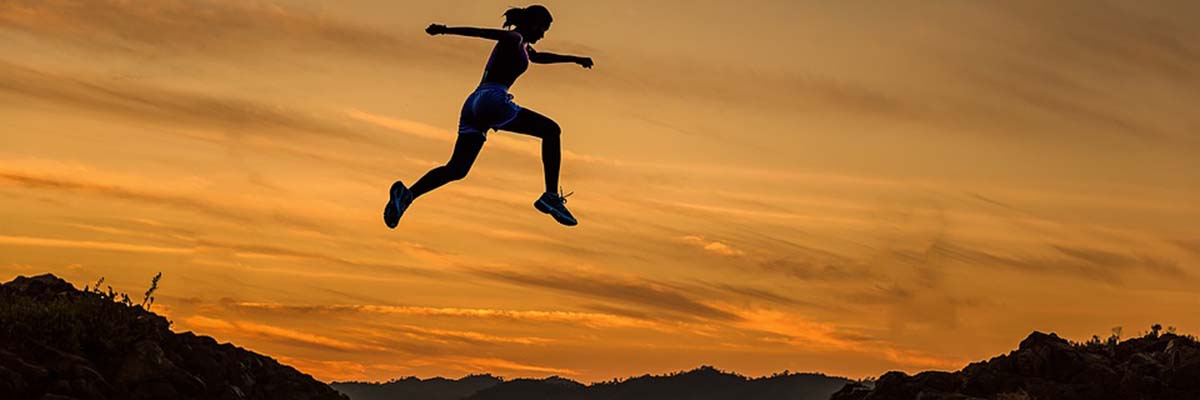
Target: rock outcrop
[(1045, 366), (57, 342)]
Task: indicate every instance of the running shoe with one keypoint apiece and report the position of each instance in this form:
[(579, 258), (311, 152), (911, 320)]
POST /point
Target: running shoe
[(401, 197), (555, 205)]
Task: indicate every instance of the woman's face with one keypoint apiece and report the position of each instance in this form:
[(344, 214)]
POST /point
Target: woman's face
[(534, 32)]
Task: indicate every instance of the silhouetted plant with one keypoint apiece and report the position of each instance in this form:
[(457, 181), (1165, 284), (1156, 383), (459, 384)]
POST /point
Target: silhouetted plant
[(96, 286), (149, 299), (1115, 337)]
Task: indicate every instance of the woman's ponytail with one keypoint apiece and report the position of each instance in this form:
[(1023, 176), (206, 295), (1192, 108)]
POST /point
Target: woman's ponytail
[(517, 16), (514, 16)]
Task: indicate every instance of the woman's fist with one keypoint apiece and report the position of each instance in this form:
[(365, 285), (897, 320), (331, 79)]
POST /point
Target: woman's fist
[(435, 29), (585, 62)]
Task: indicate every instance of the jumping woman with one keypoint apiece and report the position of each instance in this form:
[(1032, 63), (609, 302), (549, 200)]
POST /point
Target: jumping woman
[(491, 107)]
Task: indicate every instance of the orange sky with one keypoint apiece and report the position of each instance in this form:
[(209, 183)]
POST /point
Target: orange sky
[(845, 187)]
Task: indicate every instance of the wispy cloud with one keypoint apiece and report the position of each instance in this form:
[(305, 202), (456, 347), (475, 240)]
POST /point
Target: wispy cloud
[(482, 364), (552, 316), (712, 246), (285, 252), (794, 331), (641, 292), (415, 128), (90, 245), (761, 294), (1192, 245), (328, 370), (71, 185), (815, 268), (227, 328), (139, 102), (392, 334), (202, 27), (1067, 260), (196, 204)]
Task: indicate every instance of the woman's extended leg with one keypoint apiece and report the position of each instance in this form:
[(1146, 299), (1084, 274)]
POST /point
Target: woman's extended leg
[(529, 122), (466, 148)]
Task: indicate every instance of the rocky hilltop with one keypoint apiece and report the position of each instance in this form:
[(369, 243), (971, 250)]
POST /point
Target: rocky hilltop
[(61, 343), (1156, 366)]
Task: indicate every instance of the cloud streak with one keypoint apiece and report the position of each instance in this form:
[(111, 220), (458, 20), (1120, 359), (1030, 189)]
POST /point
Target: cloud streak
[(626, 290), (193, 204), (147, 103), (548, 316), (90, 245), (1079, 262), (225, 328), (171, 27), (712, 246)]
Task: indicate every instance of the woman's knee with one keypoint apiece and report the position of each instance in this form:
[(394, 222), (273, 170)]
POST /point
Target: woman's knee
[(551, 129), (457, 172)]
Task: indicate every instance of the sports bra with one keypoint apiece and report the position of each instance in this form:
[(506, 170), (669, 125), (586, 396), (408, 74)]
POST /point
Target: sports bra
[(506, 63)]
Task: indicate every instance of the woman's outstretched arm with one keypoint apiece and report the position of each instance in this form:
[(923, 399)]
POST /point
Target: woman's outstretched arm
[(486, 33), (551, 58)]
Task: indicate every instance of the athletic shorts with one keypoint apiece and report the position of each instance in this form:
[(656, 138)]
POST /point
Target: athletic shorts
[(488, 107)]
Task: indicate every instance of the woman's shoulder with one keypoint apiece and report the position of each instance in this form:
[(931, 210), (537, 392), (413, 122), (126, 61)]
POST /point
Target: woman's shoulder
[(513, 37)]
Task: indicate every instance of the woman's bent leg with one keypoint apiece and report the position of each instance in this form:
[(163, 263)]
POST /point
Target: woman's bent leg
[(466, 149), (529, 122)]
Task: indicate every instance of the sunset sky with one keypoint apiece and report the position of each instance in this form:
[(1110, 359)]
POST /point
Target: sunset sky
[(844, 187)]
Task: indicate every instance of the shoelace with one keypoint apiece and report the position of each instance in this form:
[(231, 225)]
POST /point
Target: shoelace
[(563, 197)]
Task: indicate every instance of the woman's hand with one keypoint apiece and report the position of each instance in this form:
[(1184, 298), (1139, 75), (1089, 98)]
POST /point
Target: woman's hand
[(585, 62), (435, 29)]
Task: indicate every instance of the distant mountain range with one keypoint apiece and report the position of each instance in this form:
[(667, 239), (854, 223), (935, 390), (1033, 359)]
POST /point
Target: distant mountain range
[(413, 388), (703, 383)]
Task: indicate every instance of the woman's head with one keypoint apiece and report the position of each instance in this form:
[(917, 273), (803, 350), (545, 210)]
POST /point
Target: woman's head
[(531, 22)]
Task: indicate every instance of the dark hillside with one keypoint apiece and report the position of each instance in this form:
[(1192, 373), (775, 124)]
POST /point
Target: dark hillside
[(58, 342), (1156, 366)]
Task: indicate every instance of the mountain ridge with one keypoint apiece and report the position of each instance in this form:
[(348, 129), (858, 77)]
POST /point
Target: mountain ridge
[(704, 382)]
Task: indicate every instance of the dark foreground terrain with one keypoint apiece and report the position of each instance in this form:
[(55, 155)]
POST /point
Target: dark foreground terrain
[(59, 343), (1046, 367), (703, 383)]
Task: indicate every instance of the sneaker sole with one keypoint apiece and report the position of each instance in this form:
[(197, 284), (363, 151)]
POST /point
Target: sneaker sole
[(391, 210), (546, 209)]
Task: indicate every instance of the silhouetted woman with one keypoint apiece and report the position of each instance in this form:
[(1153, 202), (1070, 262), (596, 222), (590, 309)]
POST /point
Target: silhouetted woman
[(491, 107)]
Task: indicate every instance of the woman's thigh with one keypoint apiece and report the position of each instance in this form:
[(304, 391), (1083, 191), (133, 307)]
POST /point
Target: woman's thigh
[(530, 122), (466, 149)]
